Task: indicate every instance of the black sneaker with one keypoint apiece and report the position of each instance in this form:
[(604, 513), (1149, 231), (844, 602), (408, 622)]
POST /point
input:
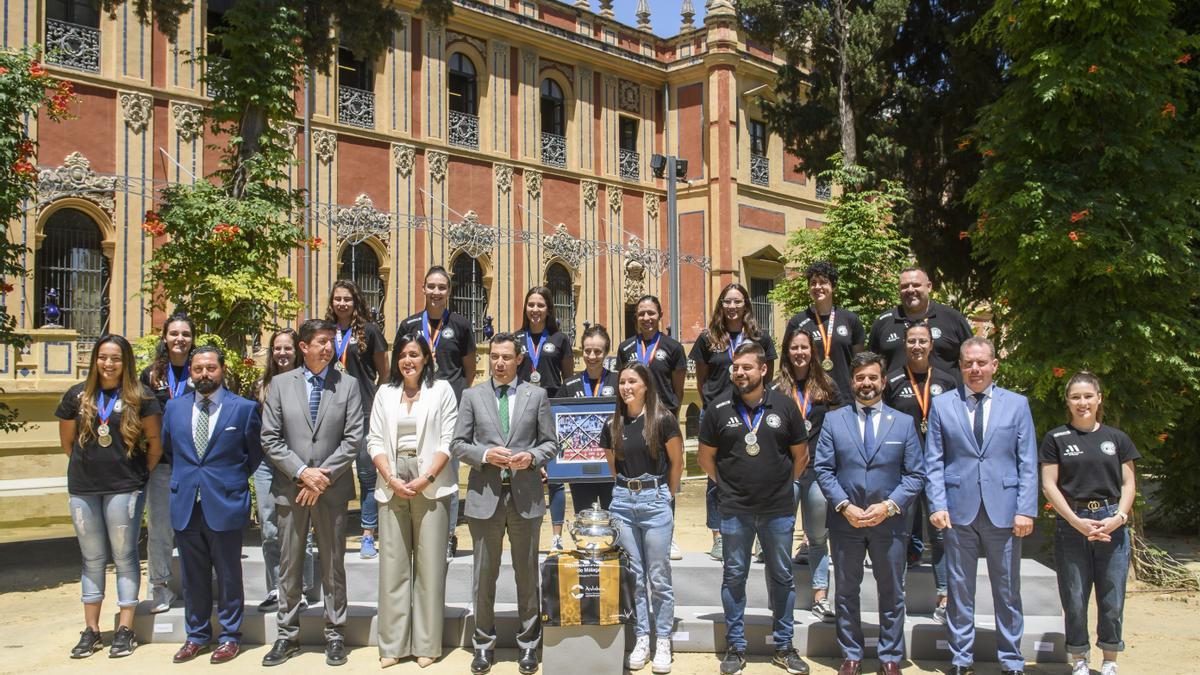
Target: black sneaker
[(789, 660), (89, 643), (123, 644), (733, 663)]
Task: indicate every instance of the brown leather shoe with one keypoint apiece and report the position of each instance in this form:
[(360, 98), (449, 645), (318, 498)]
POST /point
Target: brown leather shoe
[(850, 667), (225, 652), (189, 651), (889, 668)]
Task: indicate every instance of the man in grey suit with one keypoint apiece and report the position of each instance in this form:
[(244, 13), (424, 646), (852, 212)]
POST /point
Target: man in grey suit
[(505, 433), (312, 427)]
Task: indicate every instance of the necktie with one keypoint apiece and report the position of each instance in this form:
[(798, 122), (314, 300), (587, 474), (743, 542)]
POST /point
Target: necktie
[(977, 427), (505, 474), (314, 397), (201, 434), (868, 429)]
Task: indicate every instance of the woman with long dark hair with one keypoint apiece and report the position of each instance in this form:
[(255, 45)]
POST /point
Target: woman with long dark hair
[(167, 376), (361, 351), (662, 355), (412, 425), (645, 453), (731, 323), (109, 427), (548, 359), (1088, 477), (814, 392)]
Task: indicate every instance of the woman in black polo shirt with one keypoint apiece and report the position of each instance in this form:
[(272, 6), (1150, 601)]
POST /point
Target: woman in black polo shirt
[(594, 381), (658, 351), (1088, 477), (645, 452), (548, 360)]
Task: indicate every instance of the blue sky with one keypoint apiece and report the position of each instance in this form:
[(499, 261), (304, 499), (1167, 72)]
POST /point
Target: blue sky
[(664, 14)]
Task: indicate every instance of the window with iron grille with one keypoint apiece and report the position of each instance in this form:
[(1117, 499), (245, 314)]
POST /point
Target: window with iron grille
[(469, 296), (760, 303), (553, 117), (70, 261), (464, 92), (628, 128), (360, 265), (758, 138), (558, 280)]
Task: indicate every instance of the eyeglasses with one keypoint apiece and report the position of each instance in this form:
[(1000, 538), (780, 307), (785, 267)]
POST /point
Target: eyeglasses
[(733, 302)]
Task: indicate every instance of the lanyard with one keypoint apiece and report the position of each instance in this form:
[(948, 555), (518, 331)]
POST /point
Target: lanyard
[(587, 383), (341, 340), (176, 387), (802, 401), (535, 353), (642, 349), (758, 415), (826, 333), (922, 397), (432, 340), (105, 406), (733, 345)]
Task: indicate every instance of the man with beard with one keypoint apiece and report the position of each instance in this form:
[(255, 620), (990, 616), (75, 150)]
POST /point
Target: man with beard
[(869, 465), (753, 445), (212, 436), (947, 327)]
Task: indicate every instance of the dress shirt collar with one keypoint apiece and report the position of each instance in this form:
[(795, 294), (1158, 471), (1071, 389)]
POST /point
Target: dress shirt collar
[(512, 386), (308, 374), (214, 398)]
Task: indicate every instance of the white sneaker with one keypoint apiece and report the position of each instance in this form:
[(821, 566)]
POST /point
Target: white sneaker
[(556, 543), (1080, 667), (641, 651), (1108, 668), (161, 598), (676, 554), (662, 656)]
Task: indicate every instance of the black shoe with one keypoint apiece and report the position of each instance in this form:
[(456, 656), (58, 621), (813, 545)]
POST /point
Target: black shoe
[(270, 604), (452, 546), (789, 659), (961, 670), (89, 643), (733, 663), (527, 663), (280, 652), (123, 644), (482, 663), (335, 653)]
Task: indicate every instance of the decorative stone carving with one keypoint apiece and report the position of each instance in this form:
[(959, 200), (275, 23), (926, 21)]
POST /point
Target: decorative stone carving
[(138, 109), (504, 177), (563, 69), (610, 81), (651, 207), (629, 96), (405, 157), (563, 246), (324, 144), (438, 161), (687, 13), (362, 221), (453, 36), (531, 61), (75, 178), (533, 183), (293, 132), (635, 281), (470, 236), (189, 120), (615, 195), (606, 9), (589, 188), (643, 15)]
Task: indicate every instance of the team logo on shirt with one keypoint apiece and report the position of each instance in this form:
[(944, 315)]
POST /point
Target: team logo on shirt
[(549, 348), (607, 391), (1108, 448), (843, 331), (732, 422), (660, 356), (119, 406), (935, 332), (892, 337), (1072, 451), (448, 333), (774, 421), (935, 389)]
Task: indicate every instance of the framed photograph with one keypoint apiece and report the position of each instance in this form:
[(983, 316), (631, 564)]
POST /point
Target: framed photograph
[(578, 423)]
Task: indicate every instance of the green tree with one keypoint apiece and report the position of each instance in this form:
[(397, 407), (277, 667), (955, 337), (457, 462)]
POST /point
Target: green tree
[(860, 239), (1088, 202)]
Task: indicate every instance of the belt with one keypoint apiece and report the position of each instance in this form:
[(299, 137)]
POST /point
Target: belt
[(638, 485), (1091, 504)]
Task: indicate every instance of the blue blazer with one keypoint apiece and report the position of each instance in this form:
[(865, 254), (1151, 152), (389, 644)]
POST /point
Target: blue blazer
[(961, 476), (892, 469), (223, 476)]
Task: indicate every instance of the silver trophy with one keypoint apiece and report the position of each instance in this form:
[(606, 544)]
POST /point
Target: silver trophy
[(593, 531)]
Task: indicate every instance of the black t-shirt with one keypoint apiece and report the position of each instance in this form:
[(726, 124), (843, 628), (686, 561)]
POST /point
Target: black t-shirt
[(636, 459), (96, 470), (898, 392), (554, 353), (718, 383), (162, 390), (847, 334), (667, 360), (1089, 462), (576, 387), (359, 360), (759, 484), (947, 328), (456, 341), (813, 417)]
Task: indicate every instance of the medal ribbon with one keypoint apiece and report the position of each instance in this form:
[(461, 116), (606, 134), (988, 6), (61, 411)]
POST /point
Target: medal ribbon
[(642, 348), (432, 340), (733, 344), (175, 387), (922, 398), (105, 406), (826, 334), (745, 415), (802, 401), (535, 354), (341, 340), (587, 382)]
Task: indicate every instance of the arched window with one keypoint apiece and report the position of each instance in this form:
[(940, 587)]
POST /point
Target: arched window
[(464, 90), (71, 262), (558, 280), (554, 125), (469, 296), (360, 265)]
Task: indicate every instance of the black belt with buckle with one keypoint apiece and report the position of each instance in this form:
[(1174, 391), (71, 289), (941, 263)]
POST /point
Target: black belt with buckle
[(639, 484), (1091, 504)]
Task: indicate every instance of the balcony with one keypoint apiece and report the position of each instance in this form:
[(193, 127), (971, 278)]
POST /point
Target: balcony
[(631, 165), (760, 170), (72, 45), (554, 150), (464, 130), (824, 190), (356, 107)]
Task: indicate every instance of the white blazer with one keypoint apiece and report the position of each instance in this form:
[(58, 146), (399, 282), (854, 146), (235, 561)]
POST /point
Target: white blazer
[(437, 413)]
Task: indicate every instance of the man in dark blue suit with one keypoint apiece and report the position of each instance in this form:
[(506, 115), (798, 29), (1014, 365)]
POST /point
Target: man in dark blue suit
[(981, 461), (212, 436), (868, 463)]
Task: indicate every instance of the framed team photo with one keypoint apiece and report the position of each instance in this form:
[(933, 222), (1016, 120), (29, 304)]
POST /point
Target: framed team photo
[(577, 424)]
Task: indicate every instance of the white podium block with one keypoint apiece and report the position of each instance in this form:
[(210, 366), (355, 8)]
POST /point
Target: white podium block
[(596, 650)]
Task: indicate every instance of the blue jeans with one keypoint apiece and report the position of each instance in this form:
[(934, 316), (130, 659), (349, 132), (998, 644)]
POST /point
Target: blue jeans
[(919, 529), (712, 506), (556, 493), (644, 528), (109, 526), (270, 532), (813, 506), (158, 525), (1083, 565), (775, 535), (369, 510)]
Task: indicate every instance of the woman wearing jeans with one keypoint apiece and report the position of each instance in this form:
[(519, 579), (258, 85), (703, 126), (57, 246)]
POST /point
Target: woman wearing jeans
[(1088, 477), (645, 453), (108, 426)]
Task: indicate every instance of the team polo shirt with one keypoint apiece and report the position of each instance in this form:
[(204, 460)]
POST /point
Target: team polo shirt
[(847, 334), (668, 359), (1089, 462), (898, 392), (718, 383), (759, 484), (455, 342), (813, 418), (554, 353), (576, 387), (359, 360), (947, 328)]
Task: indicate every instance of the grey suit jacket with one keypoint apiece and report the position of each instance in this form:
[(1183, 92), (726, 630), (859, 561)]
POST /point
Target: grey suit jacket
[(478, 428), (290, 439)]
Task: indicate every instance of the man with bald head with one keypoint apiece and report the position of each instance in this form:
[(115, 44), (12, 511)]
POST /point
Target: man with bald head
[(948, 328)]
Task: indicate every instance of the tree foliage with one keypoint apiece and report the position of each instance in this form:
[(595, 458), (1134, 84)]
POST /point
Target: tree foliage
[(1088, 202)]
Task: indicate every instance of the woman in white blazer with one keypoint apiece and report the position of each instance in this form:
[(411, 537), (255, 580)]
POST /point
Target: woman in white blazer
[(412, 424)]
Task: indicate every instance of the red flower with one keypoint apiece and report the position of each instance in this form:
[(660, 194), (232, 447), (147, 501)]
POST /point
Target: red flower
[(151, 215), (1048, 506), (3, 70), (1073, 236), (155, 227), (1109, 269), (1059, 372), (964, 144), (1168, 110), (24, 168), (36, 69), (25, 148), (989, 153), (1080, 215), (1163, 437), (963, 234), (1093, 69), (314, 243), (6, 287), (248, 362), (1183, 59)]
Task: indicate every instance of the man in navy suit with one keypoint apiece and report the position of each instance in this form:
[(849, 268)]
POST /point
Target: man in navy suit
[(868, 463), (212, 436), (981, 465)]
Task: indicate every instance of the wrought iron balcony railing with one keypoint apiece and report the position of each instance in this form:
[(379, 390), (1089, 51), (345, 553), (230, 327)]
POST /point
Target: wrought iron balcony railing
[(631, 165), (464, 130), (72, 45), (356, 107), (760, 169), (554, 150)]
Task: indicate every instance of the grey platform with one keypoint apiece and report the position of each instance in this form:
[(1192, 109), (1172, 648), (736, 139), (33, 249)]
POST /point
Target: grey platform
[(699, 620)]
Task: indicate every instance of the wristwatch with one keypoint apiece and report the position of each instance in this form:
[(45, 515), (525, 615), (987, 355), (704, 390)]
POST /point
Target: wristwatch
[(842, 506), (430, 477), (892, 508), (1123, 516)]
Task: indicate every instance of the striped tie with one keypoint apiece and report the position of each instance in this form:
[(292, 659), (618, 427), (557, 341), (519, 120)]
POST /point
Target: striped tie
[(314, 397)]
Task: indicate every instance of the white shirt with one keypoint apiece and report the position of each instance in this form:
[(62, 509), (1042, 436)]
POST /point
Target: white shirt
[(876, 409), (214, 409), (986, 406)]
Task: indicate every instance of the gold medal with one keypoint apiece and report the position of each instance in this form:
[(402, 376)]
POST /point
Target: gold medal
[(827, 364), (924, 426), (753, 449), (102, 430), (104, 441)]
